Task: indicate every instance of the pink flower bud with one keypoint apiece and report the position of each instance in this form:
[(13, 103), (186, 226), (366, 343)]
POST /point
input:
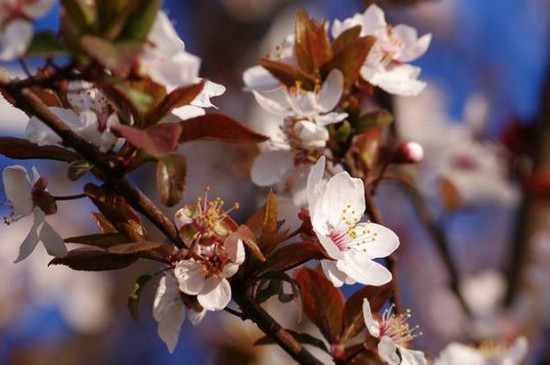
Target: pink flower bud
[(408, 152)]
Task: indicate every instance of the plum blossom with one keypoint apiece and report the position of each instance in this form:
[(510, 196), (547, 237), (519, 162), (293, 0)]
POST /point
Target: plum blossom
[(490, 353), (306, 113), (216, 252), (168, 64), (386, 65), (16, 29), (169, 311), (395, 335), (336, 208), (29, 197), (88, 116)]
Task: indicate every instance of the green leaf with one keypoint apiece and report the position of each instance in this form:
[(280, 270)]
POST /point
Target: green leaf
[(46, 44), (93, 259), (133, 300), (80, 13), (342, 133), (118, 57), (301, 337), (372, 119), (140, 21), (157, 140), (78, 169), (323, 303), (99, 240), (171, 177), (22, 149), (218, 127)]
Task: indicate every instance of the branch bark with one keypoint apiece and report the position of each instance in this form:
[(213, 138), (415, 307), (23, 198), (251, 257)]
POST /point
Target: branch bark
[(242, 295)]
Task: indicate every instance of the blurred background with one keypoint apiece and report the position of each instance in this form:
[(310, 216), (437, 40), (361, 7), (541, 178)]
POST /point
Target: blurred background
[(483, 122)]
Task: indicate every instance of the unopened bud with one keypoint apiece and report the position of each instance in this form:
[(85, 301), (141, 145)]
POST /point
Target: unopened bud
[(408, 152)]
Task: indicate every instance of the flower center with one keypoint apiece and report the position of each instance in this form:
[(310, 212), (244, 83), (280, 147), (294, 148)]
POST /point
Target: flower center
[(214, 263), (396, 326)]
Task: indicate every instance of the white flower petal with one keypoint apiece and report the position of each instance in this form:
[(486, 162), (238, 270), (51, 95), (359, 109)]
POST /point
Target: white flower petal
[(342, 201), (413, 47), (330, 118), (375, 240), (52, 241), (372, 326), (399, 80), (459, 354), (373, 20), (337, 277), (18, 189), (271, 167), (388, 351), (183, 113), (38, 133), (190, 276), (271, 106), (330, 247), (196, 317), (163, 39), (331, 91), (258, 78), (412, 357), (314, 186), (364, 270), (216, 294), (179, 70), (32, 239), (168, 311), (15, 38), (311, 135), (210, 90), (181, 218), (235, 250), (517, 352)]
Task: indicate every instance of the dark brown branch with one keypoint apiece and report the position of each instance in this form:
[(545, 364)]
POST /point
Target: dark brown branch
[(242, 295), (30, 103)]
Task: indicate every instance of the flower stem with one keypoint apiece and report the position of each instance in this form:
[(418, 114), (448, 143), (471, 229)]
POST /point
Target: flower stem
[(69, 197)]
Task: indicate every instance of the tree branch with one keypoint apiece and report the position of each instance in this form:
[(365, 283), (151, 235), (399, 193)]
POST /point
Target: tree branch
[(31, 104), (242, 295)]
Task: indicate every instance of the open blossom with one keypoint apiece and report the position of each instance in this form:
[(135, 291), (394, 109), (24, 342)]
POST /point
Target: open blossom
[(489, 353), (89, 117), (16, 28), (306, 113), (386, 65), (216, 253), (336, 208), (28, 197), (169, 311), (315, 106), (168, 64), (395, 336)]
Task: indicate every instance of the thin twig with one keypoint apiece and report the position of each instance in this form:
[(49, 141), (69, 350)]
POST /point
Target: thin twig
[(69, 197)]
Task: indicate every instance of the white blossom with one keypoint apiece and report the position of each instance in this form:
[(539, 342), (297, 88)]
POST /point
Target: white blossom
[(395, 335), (19, 191), (336, 208), (169, 311), (487, 354), (386, 65), (16, 28)]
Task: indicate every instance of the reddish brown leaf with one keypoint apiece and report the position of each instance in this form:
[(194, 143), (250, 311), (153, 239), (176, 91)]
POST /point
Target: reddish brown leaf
[(218, 127), (249, 239), (354, 323), (312, 47), (157, 140), (291, 256), (171, 176), (288, 75), (99, 240), (350, 59), (103, 224), (323, 303), (118, 57), (21, 149), (346, 38), (177, 98), (117, 211), (93, 259)]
